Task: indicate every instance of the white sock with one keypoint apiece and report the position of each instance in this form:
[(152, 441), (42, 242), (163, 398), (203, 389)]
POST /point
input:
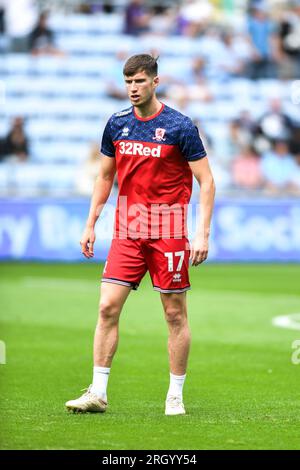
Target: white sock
[(176, 385), (100, 379)]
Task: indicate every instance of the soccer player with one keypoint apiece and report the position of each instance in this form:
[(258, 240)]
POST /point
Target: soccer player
[(155, 151)]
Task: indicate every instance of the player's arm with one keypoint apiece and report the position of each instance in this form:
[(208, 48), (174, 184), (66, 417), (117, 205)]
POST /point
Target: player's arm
[(102, 189), (202, 172)]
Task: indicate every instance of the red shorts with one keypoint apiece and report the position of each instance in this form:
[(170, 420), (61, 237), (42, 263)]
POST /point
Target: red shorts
[(166, 259)]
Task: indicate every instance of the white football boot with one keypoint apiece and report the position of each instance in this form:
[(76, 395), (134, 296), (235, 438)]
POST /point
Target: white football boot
[(174, 406), (88, 402)]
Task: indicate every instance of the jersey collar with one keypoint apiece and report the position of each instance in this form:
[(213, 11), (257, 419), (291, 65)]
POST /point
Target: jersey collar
[(148, 118)]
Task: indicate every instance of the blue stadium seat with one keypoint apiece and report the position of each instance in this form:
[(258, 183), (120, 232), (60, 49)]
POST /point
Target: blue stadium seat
[(5, 172), (103, 23), (13, 64), (94, 44), (63, 152), (69, 86), (76, 129), (30, 177)]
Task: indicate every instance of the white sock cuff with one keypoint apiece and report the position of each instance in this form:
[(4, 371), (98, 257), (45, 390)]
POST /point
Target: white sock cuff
[(102, 370), (177, 376)]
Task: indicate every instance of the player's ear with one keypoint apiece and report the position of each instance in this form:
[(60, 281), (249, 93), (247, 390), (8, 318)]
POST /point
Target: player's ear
[(155, 81)]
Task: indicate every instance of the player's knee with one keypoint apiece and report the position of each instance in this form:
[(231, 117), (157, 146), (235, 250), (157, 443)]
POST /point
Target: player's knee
[(175, 316), (108, 311)]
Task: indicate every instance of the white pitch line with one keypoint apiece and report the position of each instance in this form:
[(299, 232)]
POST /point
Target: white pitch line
[(291, 321)]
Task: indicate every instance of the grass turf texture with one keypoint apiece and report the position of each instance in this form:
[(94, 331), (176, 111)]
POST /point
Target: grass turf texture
[(241, 392)]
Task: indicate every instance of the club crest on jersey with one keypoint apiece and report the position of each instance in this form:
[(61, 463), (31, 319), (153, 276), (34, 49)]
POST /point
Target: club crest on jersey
[(159, 134)]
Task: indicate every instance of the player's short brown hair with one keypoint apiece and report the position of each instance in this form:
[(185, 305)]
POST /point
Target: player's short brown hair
[(141, 63)]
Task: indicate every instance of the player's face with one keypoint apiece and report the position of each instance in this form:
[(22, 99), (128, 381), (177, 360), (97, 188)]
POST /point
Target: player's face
[(140, 88)]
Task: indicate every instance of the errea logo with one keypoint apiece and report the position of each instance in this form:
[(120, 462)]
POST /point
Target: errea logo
[(177, 277), (125, 132), (139, 149)]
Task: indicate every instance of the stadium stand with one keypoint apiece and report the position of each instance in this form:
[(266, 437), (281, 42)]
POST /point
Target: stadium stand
[(65, 102)]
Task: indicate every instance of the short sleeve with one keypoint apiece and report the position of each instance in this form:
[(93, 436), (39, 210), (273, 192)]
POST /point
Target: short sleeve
[(107, 146), (190, 143)]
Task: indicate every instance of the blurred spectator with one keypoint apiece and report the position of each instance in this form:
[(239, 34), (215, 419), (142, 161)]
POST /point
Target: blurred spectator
[(84, 8), (232, 60), (137, 18), (241, 132), (193, 87), (193, 17), (295, 140), (107, 7), (15, 144), (3, 37), (20, 17), (289, 35), (278, 169), (89, 7), (2, 149), (296, 177), (197, 71), (180, 93), (246, 170), (2, 19), (200, 91), (161, 21), (41, 39), (88, 172), (262, 37), (273, 125)]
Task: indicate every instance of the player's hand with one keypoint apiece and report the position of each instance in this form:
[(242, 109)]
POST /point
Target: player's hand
[(199, 250), (87, 242)]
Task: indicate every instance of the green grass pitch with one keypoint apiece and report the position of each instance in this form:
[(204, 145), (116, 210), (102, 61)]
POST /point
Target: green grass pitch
[(241, 391)]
